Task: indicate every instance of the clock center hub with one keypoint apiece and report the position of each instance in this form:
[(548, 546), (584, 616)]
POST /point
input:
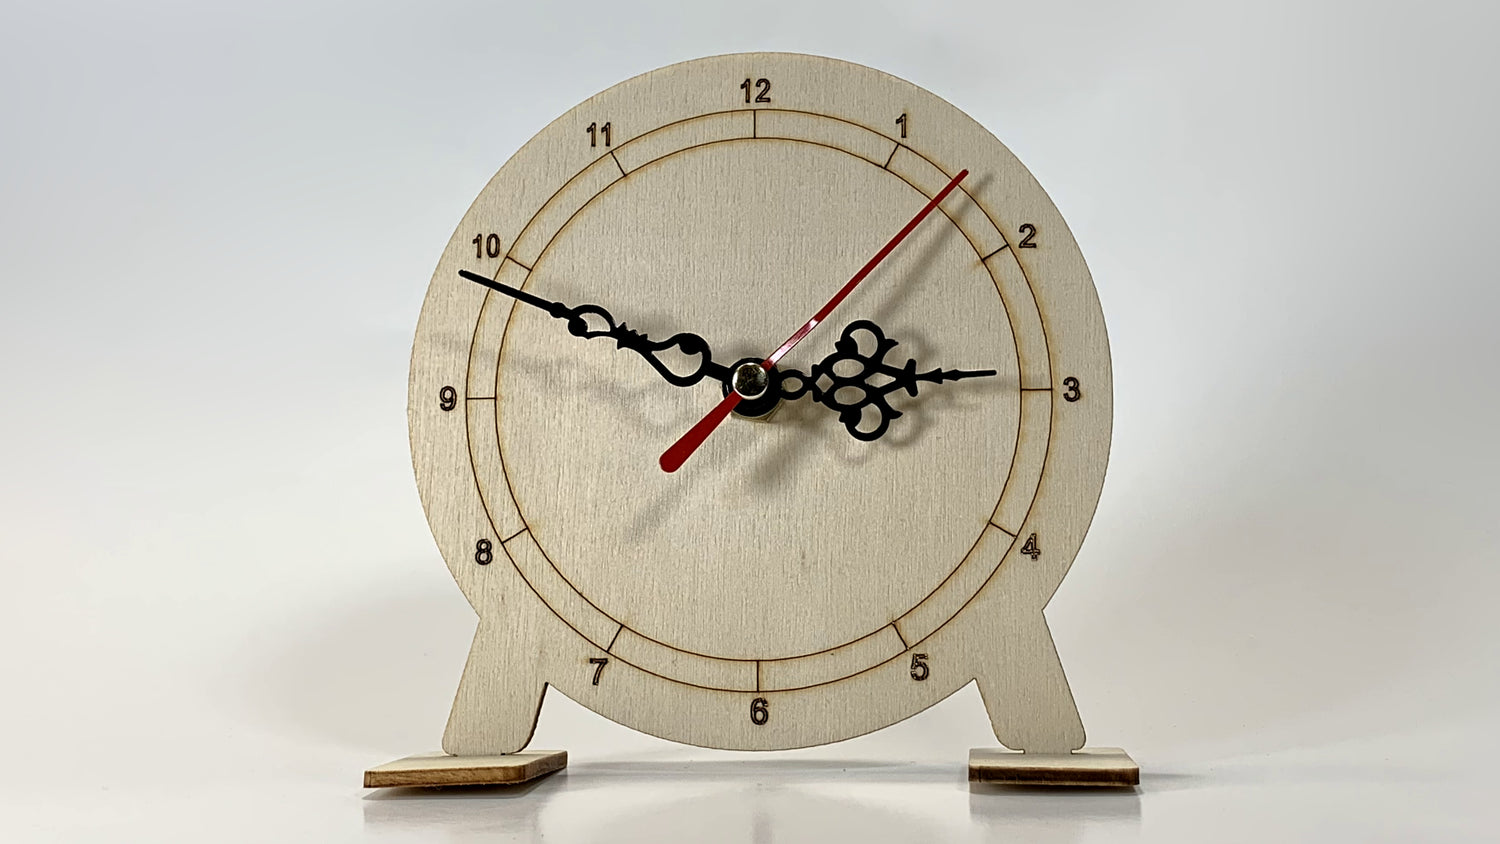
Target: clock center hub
[(750, 380), (759, 389)]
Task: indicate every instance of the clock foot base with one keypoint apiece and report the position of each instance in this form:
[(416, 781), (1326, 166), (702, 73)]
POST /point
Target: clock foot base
[(1091, 766), (440, 769)]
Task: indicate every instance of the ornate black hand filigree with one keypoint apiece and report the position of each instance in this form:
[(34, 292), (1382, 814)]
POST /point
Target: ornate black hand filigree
[(847, 381), (591, 321), (855, 381)]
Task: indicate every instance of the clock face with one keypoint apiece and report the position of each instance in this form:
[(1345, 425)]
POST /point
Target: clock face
[(836, 539)]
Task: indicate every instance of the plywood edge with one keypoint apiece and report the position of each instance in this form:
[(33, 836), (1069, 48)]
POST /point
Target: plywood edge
[(1091, 766), (440, 769)]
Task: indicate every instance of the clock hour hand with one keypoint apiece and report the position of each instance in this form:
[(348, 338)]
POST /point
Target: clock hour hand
[(863, 381), (590, 321)]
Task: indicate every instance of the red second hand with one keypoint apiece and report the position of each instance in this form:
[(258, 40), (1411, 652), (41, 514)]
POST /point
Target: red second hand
[(673, 458)]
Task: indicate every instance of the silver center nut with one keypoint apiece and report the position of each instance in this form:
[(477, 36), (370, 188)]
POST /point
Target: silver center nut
[(750, 381)]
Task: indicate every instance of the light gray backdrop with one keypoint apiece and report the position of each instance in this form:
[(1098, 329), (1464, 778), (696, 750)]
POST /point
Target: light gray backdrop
[(221, 600)]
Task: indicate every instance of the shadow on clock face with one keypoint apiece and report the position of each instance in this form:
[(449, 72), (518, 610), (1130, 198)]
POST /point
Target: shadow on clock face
[(779, 538)]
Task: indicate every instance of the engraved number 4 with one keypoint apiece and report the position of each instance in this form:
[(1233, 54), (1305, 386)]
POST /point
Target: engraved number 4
[(1031, 548)]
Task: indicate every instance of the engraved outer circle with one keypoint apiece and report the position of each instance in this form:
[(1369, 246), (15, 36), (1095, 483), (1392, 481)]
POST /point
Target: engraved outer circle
[(787, 561)]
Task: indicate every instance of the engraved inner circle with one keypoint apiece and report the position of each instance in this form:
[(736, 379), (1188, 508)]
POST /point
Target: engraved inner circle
[(780, 539)]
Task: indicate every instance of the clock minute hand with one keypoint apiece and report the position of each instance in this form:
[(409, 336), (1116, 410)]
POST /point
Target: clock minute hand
[(603, 324)]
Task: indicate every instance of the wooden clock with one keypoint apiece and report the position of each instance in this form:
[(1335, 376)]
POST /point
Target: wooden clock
[(702, 535)]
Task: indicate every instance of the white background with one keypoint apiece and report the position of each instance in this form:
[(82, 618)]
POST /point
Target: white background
[(221, 600)]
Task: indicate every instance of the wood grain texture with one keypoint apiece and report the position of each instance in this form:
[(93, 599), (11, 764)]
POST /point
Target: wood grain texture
[(440, 769), (791, 585), (1091, 766)]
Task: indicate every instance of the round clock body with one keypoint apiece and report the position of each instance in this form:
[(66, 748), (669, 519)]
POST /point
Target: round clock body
[(797, 581)]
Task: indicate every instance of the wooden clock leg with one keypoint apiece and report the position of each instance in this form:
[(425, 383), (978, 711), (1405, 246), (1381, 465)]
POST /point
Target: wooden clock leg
[(1032, 711), (498, 700), (493, 717), (1026, 694)]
